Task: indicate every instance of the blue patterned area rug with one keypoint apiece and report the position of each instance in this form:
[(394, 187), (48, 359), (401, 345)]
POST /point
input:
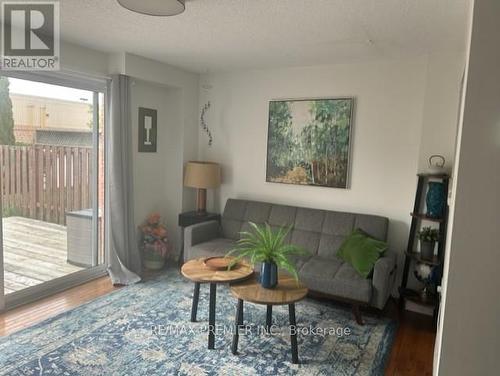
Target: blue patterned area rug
[(145, 330)]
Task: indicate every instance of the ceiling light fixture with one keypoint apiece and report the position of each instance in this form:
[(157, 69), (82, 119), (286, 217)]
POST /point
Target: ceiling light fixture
[(154, 7)]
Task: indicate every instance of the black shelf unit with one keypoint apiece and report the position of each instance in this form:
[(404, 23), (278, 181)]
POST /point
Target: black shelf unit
[(411, 257), (417, 257)]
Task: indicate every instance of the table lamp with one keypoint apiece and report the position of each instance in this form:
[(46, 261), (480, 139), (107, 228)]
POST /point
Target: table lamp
[(202, 175)]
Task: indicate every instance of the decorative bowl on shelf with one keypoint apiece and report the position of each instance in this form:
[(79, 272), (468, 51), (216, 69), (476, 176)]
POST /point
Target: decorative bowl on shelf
[(219, 263)]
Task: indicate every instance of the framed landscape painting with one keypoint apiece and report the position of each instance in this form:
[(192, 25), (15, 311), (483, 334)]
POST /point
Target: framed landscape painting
[(309, 141)]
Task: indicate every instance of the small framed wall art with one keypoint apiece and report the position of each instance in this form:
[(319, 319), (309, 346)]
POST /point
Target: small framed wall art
[(147, 130)]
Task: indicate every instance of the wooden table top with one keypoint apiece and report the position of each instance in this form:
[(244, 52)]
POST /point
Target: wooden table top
[(196, 271), (287, 291)]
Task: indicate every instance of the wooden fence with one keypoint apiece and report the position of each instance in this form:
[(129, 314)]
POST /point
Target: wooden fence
[(44, 182)]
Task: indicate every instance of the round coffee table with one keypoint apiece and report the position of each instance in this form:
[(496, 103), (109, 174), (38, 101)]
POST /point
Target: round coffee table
[(196, 271), (288, 291)]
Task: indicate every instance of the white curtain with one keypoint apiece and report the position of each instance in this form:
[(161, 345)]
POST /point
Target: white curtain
[(124, 262), (2, 291)]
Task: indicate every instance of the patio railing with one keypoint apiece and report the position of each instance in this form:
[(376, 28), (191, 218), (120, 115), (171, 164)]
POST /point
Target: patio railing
[(44, 182)]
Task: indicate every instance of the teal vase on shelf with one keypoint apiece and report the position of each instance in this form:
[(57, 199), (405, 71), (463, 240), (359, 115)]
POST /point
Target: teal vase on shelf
[(435, 199)]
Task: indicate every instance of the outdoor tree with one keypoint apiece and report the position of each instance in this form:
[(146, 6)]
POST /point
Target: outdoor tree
[(90, 112), (6, 117)]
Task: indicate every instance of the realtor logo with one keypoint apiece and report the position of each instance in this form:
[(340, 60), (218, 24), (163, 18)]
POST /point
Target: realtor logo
[(30, 35)]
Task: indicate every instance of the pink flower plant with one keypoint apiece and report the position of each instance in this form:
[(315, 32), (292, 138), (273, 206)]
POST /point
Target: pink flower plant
[(154, 236)]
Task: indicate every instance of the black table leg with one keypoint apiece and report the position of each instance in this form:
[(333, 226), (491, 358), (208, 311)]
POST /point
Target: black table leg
[(293, 333), (196, 296), (269, 317), (238, 323), (211, 317)]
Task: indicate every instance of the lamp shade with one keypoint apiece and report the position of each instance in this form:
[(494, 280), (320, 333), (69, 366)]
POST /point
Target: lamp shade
[(154, 7), (202, 175)]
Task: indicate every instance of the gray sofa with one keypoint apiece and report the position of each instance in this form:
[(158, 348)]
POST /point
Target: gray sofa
[(321, 232)]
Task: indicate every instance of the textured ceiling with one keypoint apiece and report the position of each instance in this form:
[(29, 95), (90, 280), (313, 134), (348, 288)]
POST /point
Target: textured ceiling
[(217, 35)]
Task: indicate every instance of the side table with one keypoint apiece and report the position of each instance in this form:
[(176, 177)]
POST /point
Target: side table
[(196, 271), (287, 292)]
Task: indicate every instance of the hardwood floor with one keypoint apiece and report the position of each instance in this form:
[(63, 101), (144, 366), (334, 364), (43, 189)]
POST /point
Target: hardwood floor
[(411, 354), (29, 314), (413, 350)]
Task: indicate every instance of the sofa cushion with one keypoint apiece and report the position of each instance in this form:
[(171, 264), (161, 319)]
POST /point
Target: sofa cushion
[(235, 209), (348, 284), (233, 218), (373, 225), (257, 212), (214, 247), (362, 251), (317, 273), (329, 245), (288, 236), (309, 219), (338, 223), (307, 240), (245, 227), (282, 215), (231, 228), (336, 278)]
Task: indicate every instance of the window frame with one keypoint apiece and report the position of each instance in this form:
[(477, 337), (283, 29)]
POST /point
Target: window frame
[(97, 85)]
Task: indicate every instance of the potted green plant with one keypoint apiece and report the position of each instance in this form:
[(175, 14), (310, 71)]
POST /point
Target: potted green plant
[(428, 237), (154, 242), (270, 249)]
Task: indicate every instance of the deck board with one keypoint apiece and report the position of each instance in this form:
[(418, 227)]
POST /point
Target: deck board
[(34, 252)]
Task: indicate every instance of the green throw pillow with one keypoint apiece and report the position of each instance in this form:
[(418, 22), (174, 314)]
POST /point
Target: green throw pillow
[(361, 251)]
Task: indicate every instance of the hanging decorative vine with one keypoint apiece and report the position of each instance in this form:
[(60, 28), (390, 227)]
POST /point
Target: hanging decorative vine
[(204, 125)]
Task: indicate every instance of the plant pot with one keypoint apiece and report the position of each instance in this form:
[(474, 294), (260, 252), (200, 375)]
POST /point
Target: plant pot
[(268, 275), (435, 199), (152, 260), (154, 264), (427, 250)]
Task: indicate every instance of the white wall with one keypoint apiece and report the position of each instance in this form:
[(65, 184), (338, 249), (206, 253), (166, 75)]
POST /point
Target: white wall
[(174, 93), (187, 84), (157, 175), (440, 119), (75, 58), (469, 340), (393, 102), (386, 135)]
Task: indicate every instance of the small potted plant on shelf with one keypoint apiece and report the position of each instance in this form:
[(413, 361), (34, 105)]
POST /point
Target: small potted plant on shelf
[(154, 242), (428, 237), (270, 249)]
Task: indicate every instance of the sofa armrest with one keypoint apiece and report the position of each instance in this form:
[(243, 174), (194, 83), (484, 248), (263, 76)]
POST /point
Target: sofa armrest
[(201, 232), (384, 274)]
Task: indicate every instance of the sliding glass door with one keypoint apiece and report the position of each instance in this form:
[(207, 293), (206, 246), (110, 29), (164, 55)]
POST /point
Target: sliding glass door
[(51, 184)]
